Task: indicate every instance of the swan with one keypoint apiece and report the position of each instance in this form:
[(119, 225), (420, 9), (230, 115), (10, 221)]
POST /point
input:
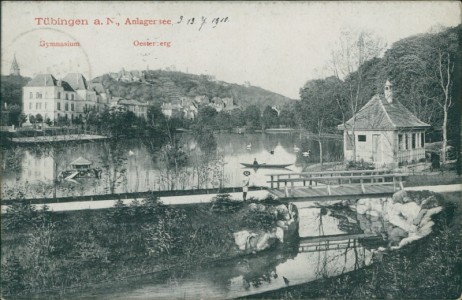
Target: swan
[(306, 153), (249, 146), (296, 149)]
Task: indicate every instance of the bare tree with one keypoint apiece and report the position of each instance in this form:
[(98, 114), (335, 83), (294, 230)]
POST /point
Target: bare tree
[(445, 79), (352, 51)]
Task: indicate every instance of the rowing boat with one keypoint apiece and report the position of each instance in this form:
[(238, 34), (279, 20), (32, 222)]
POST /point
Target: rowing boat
[(266, 165)]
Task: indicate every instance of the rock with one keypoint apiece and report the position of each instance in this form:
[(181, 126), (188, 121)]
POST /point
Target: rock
[(426, 229), (396, 235), (261, 207), (430, 202), (252, 207), (401, 197), (240, 239), (283, 212), (264, 241), (419, 217), (279, 234)]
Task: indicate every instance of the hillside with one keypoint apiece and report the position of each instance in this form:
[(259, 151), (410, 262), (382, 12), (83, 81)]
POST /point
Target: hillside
[(157, 86)]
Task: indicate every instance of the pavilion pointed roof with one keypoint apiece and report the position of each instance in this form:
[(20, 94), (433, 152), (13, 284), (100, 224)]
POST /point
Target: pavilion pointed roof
[(379, 114), (81, 162)]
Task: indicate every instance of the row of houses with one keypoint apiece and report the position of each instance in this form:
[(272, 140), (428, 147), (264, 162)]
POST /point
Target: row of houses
[(73, 96)]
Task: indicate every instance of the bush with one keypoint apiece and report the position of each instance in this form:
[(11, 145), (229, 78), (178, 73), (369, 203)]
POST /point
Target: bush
[(259, 220), (223, 203), (359, 165)]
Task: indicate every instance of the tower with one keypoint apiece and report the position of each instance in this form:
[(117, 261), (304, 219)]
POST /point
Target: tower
[(388, 92), (14, 70)]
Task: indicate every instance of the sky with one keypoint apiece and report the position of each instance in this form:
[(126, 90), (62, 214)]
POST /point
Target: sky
[(278, 46)]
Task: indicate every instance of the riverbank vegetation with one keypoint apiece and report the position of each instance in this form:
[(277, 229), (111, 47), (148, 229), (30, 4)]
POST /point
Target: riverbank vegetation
[(50, 252), (430, 268)]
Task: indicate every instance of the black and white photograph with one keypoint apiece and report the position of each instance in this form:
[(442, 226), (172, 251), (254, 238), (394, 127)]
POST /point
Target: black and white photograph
[(231, 150)]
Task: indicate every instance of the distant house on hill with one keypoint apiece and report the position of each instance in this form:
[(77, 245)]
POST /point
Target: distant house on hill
[(140, 109), (385, 133), (172, 110)]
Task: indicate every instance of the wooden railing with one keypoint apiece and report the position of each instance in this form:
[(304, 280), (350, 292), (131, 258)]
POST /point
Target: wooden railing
[(358, 177), (277, 179)]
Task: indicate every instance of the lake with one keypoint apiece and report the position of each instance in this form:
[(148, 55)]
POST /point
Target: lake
[(145, 165)]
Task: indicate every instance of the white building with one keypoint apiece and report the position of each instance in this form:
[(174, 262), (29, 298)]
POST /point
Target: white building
[(69, 98), (386, 133)]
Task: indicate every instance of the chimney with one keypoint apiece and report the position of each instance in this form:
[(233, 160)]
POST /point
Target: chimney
[(388, 92)]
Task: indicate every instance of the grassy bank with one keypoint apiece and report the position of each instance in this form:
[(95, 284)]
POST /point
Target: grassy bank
[(54, 252), (430, 268)]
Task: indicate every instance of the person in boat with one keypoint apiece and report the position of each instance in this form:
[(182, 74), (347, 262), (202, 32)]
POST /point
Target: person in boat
[(245, 186), (255, 162)]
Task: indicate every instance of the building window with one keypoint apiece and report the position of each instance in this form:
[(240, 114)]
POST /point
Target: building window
[(67, 97), (72, 96), (66, 106), (36, 105), (400, 142), (31, 95), (422, 140), (59, 95), (59, 106), (30, 105), (414, 141), (361, 138), (72, 106), (46, 104)]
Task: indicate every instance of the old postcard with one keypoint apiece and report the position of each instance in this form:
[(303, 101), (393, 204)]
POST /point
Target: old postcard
[(216, 150)]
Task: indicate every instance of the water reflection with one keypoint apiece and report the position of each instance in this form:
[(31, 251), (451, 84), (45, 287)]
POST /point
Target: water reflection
[(299, 262), (145, 164)]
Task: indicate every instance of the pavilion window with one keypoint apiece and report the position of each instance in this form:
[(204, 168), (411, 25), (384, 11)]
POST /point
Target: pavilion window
[(414, 141), (31, 95), (406, 141), (361, 138), (59, 95), (400, 142), (66, 106), (58, 106), (422, 140)]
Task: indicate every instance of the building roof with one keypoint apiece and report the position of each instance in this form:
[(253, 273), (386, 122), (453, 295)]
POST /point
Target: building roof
[(43, 80), (132, 102), (76, 80), (378, 114), (81, 162), (97, 87)]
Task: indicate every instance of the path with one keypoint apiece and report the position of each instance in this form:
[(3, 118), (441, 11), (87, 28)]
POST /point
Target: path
[(205, 198), (169, 200)]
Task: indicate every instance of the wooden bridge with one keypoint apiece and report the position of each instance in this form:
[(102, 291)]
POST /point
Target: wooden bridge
[(335, 184), (335, 242)]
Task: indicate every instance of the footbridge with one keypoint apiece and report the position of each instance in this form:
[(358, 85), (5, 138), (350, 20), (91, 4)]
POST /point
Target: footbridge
[(335, 184)]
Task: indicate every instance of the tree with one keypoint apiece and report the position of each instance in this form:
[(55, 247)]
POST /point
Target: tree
[(207, 117), (252, 117), (270, 117), (22, 118), (353, 51), (32, 119), (155, 116), (318, 107), (446, 56)]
